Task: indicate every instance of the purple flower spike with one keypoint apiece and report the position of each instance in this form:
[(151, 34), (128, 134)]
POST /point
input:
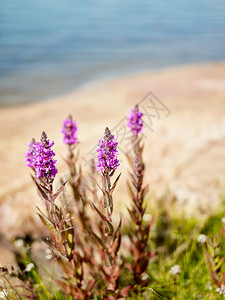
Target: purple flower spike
[(30, 154), (107, 153), (135, 122), (43, 162), (70, 131)]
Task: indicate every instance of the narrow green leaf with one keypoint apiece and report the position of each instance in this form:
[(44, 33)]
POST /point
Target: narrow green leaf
[(98, 211), (41, 190), (115, 184), (48, 224), (101, 243), (58, 191), (218, 265)]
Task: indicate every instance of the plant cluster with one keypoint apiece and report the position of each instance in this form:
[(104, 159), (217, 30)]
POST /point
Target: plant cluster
[(92, 256)]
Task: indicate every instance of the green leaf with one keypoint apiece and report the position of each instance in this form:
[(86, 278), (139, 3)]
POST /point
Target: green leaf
[(117, 239), (210, 249), (115, 184), (41, 189), (98, 240), (218, 265), (109, 227), (48, 224), (130, 191), (98, 211), (58, 191)]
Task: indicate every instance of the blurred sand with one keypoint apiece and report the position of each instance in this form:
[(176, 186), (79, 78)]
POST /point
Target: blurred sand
[(184, 152)]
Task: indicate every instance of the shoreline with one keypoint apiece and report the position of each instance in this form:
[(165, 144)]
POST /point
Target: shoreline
[(113, 75), (184, 143)]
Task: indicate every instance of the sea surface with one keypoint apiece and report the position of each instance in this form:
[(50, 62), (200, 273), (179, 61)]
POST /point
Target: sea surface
[(49, 47)]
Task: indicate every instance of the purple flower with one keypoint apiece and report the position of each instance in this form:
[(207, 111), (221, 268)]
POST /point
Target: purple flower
[(69, 130), (107, 153), (30, 154), (135, 122), (43, 162)]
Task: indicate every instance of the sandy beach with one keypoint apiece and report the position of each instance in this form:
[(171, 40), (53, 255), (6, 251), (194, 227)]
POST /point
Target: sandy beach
[(184, 136)]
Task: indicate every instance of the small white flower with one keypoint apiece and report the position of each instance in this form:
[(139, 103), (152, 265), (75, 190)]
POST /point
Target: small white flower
[(175, 270), (48, 257), (48, 254), (202, 238), (29, 267), (223, 220), (209, 286), (221, 290), (144, 276), (19, 243), (3, 294), (147, 217)]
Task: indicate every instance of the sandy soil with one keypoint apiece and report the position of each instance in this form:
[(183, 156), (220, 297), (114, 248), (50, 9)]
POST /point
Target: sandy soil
[(184, 136)]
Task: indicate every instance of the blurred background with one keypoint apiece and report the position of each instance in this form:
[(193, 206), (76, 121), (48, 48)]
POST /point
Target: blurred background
[(95, 60), (50, 47)]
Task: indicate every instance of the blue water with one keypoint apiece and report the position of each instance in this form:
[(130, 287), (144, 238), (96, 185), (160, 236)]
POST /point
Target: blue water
[(51, 46)]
